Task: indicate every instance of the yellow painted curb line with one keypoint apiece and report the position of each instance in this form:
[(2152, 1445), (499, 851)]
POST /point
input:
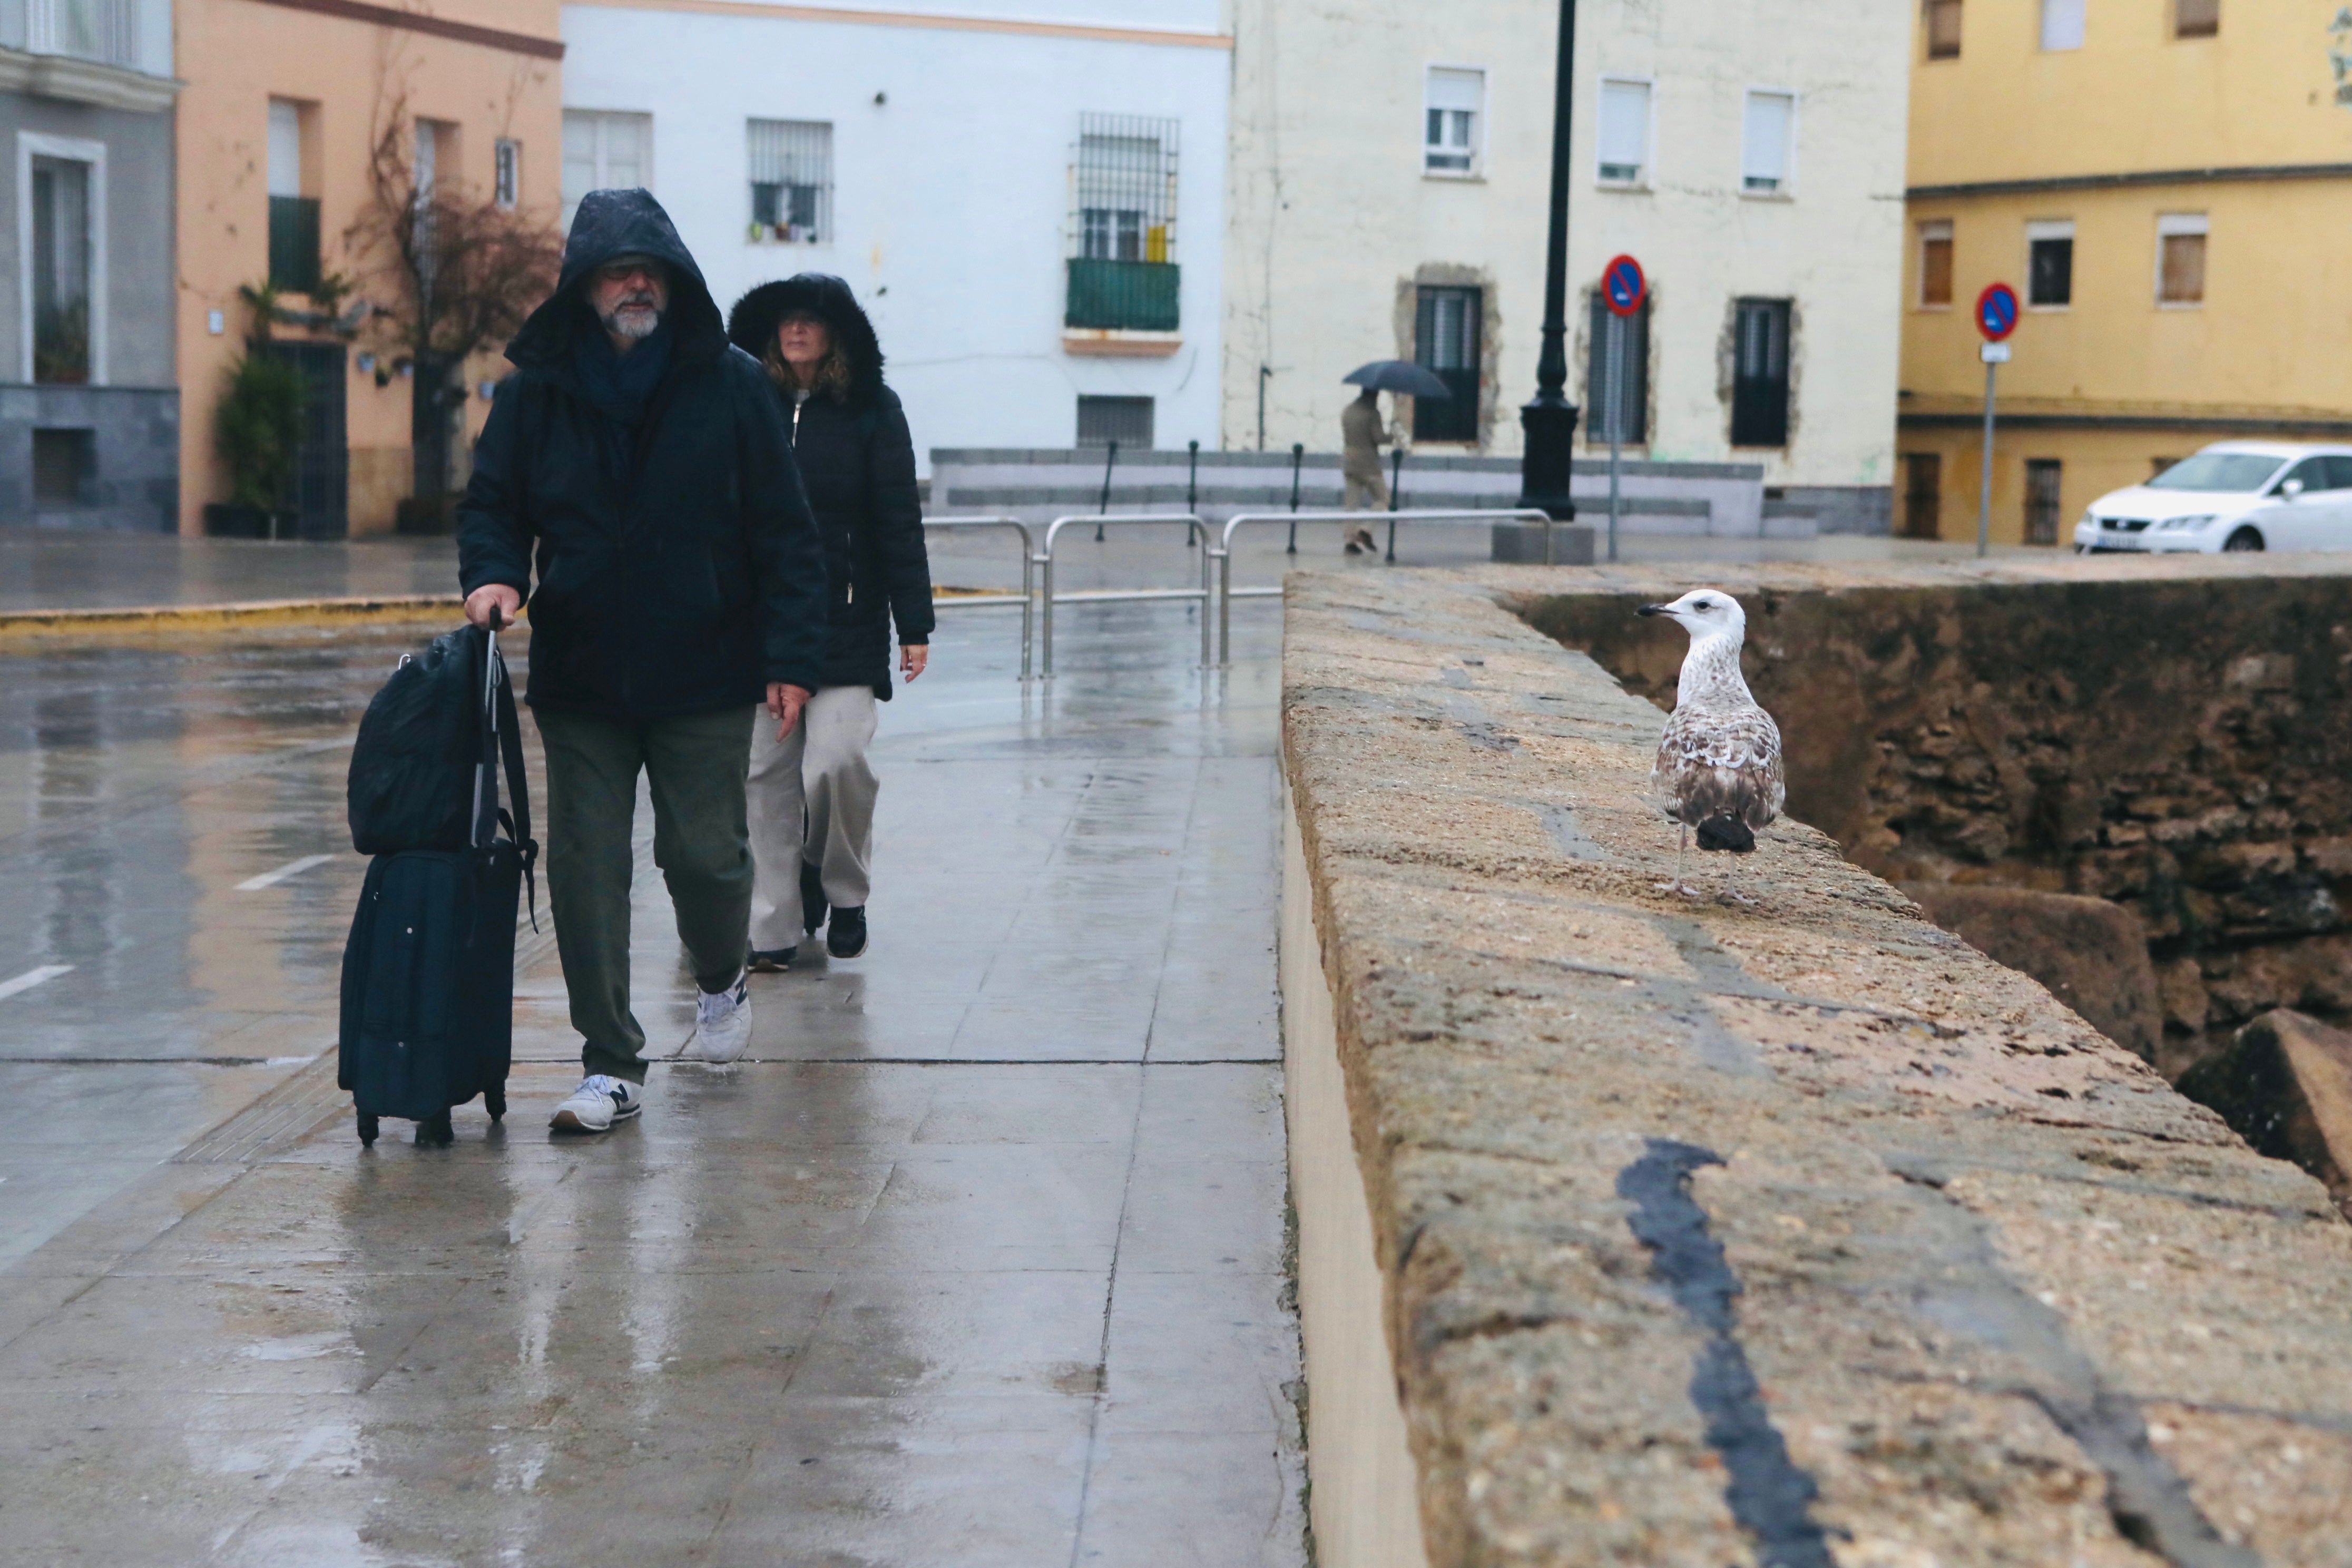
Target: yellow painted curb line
[(222, 618), (274, 612)]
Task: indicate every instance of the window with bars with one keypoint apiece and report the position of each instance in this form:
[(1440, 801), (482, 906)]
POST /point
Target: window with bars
[(605, 150), (1454, 102), (1126, 420), (506, 174), (1445, 340), (1943, 29), (1122, 266), (1759, 373), (1631, 382), (1936, 263), (792, 180)]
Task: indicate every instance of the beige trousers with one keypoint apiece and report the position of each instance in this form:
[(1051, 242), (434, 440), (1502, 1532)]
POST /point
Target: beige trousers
[(1364, 492), (817, 775)]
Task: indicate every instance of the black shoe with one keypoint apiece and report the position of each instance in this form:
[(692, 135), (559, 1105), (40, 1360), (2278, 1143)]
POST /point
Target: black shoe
[(845, 937), (812, 898), (774, 961)]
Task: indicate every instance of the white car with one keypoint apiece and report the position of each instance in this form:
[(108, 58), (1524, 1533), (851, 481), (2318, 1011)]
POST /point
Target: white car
[(2233, 495)]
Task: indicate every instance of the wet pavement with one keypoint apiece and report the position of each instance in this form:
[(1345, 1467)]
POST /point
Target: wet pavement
[(978, 1258), (93, 571)]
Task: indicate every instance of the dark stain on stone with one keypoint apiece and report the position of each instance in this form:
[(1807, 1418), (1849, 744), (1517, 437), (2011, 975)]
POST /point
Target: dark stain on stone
[(1971, 1293), (1769, 1496)]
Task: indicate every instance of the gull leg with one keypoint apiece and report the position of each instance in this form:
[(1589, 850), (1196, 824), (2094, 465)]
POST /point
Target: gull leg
[(1730, 885), (1682, 851)]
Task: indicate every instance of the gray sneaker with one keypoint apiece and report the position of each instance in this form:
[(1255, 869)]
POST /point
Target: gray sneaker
[(599, 1101), (722, 1023)]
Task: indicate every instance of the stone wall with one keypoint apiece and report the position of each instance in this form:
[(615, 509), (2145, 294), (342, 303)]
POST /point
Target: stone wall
[(1702, 1233), (2167, 736)]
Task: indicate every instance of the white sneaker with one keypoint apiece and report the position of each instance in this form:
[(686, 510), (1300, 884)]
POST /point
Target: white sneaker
[(599, 1101), (722, 1023)]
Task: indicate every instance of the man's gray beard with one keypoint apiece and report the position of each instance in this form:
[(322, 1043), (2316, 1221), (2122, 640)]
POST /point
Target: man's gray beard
[(639, 323)]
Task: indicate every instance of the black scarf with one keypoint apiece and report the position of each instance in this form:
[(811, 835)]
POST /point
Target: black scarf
[(621, 385)]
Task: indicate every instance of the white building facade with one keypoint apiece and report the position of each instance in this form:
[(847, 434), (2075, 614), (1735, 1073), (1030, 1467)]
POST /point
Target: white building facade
[(1029, 202), (1388, 199)]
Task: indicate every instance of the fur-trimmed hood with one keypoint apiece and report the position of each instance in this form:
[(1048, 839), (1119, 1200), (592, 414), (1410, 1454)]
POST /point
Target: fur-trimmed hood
[(751, 325)]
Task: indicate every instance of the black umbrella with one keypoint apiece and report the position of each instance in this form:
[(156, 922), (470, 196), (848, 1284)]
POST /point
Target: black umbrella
[(1398, 375)]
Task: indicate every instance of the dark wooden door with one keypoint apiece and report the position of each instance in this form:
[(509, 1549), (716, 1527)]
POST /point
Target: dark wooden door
[(1922, 495), (320, 501)]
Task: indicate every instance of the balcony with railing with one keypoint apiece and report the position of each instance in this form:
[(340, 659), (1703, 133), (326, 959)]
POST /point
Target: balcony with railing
[(114, 53), (1123, 283), (1107, 295)]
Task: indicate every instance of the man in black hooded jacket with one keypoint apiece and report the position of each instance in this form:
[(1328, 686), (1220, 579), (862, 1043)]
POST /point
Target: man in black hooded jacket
[(680, 584)]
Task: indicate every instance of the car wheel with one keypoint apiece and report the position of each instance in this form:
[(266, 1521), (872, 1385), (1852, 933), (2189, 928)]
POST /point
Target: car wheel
[(2244, 539)]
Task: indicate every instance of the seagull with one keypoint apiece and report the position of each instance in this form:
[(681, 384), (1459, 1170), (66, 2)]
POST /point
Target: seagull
[(1719, 767)]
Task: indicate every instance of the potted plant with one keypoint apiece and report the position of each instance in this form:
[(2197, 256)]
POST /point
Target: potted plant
[(256, 430)]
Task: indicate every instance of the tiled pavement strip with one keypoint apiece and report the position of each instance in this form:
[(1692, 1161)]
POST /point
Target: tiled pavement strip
[(978, 1259)]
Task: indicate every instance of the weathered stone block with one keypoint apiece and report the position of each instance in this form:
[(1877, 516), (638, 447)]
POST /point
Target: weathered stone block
[(2090, 953), (2286, 1087)]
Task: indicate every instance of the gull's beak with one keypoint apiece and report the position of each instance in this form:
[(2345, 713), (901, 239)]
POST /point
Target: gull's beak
[(1655, 610)]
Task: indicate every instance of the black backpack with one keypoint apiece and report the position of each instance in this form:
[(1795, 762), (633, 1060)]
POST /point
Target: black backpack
[(411, 778)]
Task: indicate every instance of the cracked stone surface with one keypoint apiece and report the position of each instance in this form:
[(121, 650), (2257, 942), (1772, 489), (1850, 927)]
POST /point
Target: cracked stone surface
[(2007, 1297)]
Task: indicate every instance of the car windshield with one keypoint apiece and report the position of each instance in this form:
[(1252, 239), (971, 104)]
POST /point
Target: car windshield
[(2234, 471)]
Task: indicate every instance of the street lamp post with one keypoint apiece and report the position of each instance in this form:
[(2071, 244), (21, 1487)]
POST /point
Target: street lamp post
[(1550, 421)]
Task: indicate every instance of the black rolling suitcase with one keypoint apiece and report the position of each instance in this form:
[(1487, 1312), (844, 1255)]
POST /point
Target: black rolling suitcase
[(428, 973)]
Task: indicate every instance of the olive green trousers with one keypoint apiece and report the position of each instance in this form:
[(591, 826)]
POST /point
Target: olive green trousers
[(694, 767)]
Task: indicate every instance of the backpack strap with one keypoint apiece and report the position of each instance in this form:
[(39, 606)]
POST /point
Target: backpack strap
[(502, 742)]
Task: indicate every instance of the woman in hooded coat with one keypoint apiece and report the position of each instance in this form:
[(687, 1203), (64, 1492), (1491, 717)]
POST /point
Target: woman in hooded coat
[(811, 793)]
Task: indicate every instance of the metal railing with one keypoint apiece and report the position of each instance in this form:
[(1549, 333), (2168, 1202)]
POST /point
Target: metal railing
[(1037, 596), (1029, 558), (1121, 520), (1222, 552)]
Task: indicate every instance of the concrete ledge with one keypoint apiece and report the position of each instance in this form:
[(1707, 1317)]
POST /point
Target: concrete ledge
[(1705, 1233)]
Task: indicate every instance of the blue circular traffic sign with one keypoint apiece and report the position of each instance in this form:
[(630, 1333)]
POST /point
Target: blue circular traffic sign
[(1997, 311), (1623, 286)]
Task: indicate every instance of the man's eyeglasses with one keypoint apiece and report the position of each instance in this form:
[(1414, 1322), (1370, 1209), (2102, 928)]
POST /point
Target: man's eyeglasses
[(630, 272)]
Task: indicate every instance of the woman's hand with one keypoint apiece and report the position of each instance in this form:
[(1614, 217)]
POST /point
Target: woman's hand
[(784, 705), (914, 657)]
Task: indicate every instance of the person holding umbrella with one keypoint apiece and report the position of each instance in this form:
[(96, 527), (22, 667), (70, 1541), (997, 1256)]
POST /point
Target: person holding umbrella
[(1363, 433)]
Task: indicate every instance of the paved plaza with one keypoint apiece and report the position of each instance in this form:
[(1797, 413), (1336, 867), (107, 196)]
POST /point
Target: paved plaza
[(977, 1259)]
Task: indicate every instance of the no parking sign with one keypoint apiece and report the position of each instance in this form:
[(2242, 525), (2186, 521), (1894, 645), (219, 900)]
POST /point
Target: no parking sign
[(1623, 286), (1997, 311)]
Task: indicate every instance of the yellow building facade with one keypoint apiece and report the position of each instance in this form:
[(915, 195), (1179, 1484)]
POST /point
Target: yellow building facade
[(283, 104), (2168, 186)]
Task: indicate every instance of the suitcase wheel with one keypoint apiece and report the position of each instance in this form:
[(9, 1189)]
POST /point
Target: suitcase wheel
[(367, 1130), (434, 1132), (494, 1100)]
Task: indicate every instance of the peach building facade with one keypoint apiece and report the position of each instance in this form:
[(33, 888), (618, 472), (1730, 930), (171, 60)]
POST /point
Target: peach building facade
[(283, 101)]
